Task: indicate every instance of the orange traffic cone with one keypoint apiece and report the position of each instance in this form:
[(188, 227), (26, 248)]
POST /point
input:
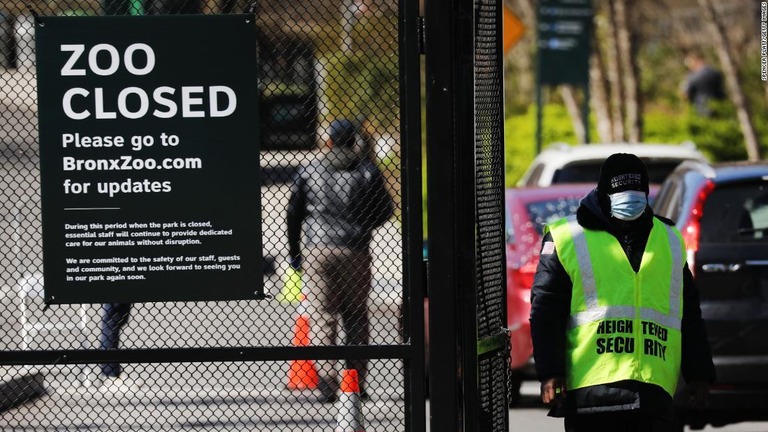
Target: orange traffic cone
[(350, 415), (302, 373)]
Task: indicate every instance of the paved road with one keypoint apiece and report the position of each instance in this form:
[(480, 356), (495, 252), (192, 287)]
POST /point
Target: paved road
[(532, 416), (173, 408), (179, 407)]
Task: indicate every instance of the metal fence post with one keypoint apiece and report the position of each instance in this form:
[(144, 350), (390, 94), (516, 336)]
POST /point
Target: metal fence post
[(450, 176), (465, 186)]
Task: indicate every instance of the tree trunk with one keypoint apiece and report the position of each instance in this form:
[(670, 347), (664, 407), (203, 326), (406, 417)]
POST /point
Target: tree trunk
[(572, 105), (525, 61), (527, 10), (628, 63), (599, 91), (731, 78), (614, 76), (348, 20)]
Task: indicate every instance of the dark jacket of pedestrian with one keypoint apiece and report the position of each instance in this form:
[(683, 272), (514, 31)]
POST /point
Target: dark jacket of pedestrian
[(702, 84), (340, 199)]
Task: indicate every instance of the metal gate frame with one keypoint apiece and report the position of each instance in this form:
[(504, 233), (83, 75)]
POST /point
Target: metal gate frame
[(458, 384)]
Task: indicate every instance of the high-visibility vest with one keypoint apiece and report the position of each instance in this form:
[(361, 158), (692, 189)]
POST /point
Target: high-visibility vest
[(624, 325)]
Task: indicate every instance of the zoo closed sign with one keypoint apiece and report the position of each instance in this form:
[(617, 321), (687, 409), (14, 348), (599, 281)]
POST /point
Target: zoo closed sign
[(149, 158)]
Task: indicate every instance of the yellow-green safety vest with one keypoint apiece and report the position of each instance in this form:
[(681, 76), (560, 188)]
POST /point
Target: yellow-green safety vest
[(624, 325)]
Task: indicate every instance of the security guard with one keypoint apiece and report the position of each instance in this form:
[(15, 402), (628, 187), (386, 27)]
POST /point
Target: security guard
[(615, 314)]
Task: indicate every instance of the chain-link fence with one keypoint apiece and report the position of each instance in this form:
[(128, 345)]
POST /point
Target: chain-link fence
[(489, 163), (467, 286), (222, 365), (341, 241)]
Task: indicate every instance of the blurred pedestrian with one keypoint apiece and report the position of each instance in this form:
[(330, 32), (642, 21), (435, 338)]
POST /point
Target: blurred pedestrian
[(615, 314), (337, 200), (114, 317), (367, 140), (703, 83)]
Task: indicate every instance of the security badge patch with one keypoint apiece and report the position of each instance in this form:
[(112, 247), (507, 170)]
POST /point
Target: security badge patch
[(548, 248)]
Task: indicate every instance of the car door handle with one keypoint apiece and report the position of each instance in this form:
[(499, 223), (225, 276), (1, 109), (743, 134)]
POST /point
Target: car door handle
[(721, 268)]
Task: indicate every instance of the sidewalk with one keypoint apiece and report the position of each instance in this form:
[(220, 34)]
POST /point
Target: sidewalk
[(18, 384)]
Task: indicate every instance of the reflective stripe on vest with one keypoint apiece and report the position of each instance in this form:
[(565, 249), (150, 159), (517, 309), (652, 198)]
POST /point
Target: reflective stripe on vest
[(595, 312), (624, 324)]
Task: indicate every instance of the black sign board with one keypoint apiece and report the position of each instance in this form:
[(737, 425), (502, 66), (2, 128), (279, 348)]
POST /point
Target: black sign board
[(564, 32), (149, 158)]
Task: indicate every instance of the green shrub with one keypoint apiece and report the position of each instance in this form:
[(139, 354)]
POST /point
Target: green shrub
[(664, 125), (520, 137), (719, 136)]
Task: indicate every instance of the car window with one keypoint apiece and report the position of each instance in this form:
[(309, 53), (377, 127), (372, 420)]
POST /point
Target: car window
[(286, 112), (535, 175), (668, 202), (736, 213), (589, 171), (579, 172), (658, 170), (544, 212)]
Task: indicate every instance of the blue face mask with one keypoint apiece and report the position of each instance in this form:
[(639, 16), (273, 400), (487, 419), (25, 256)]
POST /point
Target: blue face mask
[(628, 205)]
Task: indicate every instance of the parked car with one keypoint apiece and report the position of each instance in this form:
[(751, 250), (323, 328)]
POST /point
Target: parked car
[(722, 212), (563, 163), (527, 211)]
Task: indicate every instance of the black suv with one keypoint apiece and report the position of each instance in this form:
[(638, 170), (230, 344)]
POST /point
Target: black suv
[(722, 212)]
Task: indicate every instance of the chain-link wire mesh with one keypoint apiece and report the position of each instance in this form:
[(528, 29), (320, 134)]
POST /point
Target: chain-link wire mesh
[(223, 396), (493, 369), (320, 61)]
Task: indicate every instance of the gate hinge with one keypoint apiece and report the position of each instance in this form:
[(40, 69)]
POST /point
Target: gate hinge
[(421, 30)]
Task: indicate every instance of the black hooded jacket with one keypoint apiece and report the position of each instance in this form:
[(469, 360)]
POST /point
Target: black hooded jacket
[(340, 199), (550, 309)]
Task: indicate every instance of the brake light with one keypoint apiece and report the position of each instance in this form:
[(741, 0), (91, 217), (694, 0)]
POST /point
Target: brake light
[(523, 276), (692, 230)]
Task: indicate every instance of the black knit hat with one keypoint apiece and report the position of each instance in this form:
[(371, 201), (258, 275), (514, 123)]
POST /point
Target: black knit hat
[(621, 172), (342, 133)]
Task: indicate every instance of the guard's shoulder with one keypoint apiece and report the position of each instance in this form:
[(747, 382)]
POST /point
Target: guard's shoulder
[(565, 220), (665, 220)]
